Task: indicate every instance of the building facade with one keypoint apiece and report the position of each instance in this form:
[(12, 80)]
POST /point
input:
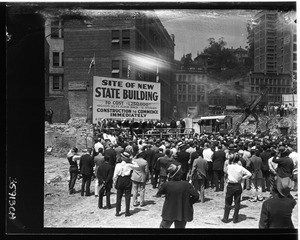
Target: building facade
[(120, 41), (275, 58), (190, 91)]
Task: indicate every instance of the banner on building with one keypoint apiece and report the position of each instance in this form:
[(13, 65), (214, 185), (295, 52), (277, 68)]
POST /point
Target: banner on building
[(125, 99)]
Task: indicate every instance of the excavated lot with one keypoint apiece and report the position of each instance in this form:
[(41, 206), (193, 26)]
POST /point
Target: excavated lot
[(74, 211), (62, 210)]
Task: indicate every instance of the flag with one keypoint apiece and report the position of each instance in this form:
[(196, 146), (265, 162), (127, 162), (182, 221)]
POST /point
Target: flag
[(128, 71), (157, 75), (92, 64)]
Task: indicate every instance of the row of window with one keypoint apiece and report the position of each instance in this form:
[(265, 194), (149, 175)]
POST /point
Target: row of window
[(190, 98), (267, 81), (191, 88), (190, 78), (272, 90)]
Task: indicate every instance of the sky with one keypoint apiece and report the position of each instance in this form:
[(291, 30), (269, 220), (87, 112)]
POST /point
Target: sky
[(192, 28)]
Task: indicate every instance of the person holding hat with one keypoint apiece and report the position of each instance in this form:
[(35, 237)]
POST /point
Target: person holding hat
[(276, 212), (73, 157), (123, 183), (284, 169), (179, 199)]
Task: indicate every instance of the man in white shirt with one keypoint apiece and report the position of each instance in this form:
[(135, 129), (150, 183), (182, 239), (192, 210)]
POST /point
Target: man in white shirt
[(294, 156), (98, 145), (236, 173), (272, 169), (207, 155)]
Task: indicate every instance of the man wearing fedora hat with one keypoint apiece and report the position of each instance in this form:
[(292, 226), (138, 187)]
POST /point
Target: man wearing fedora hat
[(276, 212), (179, 199)]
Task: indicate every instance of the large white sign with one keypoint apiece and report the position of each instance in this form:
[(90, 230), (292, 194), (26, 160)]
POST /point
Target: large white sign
[(125, 99)]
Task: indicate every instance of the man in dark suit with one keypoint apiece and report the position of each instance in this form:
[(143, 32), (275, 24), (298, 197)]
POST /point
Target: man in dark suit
[(150, 154), (109, 151), (86, 165), (179, 200), (218, 159), (265, 156), (105, 175), (183, 158)]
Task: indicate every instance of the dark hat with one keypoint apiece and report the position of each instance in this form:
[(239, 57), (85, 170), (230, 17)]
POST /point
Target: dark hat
[(125, 156), (173, 169), (281, 149), (283, 187), (231, 147)]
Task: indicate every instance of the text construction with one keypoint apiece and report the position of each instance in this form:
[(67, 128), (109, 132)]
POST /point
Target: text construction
[(125, 99)]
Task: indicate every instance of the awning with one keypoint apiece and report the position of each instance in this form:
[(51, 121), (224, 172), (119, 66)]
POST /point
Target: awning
[(232, 108), (221, 117)]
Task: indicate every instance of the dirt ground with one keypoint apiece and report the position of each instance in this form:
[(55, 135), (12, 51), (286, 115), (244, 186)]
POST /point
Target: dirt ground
[(62, 210)]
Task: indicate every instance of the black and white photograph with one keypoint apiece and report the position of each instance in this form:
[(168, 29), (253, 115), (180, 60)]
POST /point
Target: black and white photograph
[(139, 115)]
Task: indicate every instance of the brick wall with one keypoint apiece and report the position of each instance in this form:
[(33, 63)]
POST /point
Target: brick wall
[(60, 107)]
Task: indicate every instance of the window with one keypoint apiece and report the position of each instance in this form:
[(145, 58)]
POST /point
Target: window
[(183, 98), (193, 98), (115, 73), (57, 81), (57, 29), (198, 88), (202, 97), (198, 98), (183, 77), (56, 59), (189, 78), (125, 69), (62, 59), (294, 66), (179, 97), (184, 88), (252, 89), (252, 81), (189, 98), (115, 38), (180, 77), (179, 86), (125, 38), (294, 47), (189, 88)]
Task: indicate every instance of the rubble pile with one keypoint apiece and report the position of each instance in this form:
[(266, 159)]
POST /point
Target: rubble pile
[(273, 123), (60, 137)]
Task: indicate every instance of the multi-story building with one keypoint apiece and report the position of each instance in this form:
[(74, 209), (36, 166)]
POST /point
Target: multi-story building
[(190, 91), (274, 54), (115, 39)]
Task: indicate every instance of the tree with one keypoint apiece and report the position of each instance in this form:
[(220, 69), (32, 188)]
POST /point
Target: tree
[(221, 57)]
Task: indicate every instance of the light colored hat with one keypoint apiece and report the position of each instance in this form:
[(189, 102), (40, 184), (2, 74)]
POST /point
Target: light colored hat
[(173, 169), (125, 156)]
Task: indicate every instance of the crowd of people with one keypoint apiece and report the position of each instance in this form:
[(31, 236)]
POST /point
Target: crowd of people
[(183, 168)]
